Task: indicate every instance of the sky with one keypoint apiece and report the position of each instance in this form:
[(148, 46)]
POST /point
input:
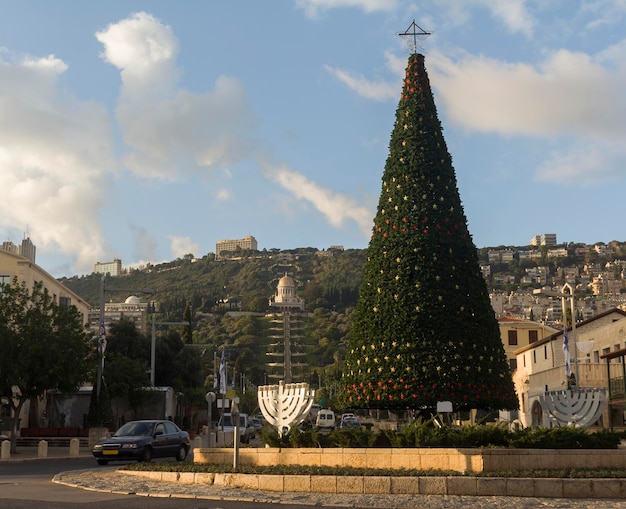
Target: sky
[(148, 130)]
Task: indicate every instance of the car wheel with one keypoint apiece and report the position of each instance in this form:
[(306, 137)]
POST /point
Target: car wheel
[(102, 462), (182, 453), (147, 454)]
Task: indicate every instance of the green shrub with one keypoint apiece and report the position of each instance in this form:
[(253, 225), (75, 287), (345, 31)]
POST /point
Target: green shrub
[(423, 433), (564, 438)]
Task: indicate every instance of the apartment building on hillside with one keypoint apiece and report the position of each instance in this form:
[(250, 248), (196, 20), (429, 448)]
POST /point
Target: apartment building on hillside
[(544, 239), (248, 243)]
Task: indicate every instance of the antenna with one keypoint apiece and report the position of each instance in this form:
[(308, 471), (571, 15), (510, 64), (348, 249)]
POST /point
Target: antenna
[(414, 31)]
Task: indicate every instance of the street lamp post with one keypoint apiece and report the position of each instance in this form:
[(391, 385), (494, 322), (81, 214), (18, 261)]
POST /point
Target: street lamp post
[(153, 343), (569, 295)]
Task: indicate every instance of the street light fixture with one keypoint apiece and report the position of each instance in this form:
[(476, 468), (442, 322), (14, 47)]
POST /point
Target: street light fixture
[(563, 295)]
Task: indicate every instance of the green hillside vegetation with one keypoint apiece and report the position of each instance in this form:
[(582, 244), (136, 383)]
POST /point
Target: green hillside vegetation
[(229, 301), (328, 281)]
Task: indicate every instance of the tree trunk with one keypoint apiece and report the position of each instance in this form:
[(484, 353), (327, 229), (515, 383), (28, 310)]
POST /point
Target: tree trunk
[(17, 409)]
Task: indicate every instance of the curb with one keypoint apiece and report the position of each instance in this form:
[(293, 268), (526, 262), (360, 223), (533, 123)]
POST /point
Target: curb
[(398, 485)]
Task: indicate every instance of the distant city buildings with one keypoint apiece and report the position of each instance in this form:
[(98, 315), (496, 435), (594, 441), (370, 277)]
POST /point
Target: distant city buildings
[(27, 249), (248, 243)]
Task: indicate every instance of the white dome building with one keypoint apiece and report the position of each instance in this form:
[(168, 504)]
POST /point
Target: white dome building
[(286, 298)]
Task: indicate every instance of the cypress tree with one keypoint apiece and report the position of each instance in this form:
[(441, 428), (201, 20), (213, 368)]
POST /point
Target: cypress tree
[(423, 329)]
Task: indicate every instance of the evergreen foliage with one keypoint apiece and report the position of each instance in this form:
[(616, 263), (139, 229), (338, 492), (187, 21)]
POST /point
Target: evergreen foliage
[(423, 330)]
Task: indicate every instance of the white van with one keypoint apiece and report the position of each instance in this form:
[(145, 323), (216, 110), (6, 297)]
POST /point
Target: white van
[(325, 419), (246, 431)]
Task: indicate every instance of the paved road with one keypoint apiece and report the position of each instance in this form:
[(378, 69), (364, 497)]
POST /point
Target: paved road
[(27, 484)]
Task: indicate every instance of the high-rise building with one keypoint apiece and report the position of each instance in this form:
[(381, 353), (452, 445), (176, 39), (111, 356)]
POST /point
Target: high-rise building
[(28, 249), (113, 268), (247, 243), (9, 246)]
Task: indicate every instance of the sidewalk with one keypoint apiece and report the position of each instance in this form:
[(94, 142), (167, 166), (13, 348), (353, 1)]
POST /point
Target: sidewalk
[(32, 453)]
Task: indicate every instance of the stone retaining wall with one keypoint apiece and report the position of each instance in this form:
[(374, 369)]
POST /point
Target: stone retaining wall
[(459, 460)]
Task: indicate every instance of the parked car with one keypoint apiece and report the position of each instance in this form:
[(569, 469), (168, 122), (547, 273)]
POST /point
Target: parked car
[(256, 424), (142, 441), (348, 422)]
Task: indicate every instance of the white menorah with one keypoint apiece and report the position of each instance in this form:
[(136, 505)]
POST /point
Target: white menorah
[(284, 406), (577, 407)]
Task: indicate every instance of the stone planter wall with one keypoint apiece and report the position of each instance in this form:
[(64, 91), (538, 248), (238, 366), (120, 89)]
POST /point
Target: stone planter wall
[(459, 460)]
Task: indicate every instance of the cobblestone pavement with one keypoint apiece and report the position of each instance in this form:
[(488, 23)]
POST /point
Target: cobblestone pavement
[(110, 481)]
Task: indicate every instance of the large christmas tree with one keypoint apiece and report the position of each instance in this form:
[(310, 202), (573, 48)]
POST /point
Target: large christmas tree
[(423, 330)]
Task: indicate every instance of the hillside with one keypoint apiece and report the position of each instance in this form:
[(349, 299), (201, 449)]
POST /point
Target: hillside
[(328, 281)]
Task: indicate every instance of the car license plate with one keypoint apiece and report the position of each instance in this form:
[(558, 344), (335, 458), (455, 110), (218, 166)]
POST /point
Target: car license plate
[(108, 452)]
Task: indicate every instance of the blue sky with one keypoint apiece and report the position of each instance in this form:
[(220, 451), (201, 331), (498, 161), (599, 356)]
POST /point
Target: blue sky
[(146, 130)]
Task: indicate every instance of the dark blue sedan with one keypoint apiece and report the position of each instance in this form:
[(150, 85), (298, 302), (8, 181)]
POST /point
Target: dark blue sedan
[(142, 441)]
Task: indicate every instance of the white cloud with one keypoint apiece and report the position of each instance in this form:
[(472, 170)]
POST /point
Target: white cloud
[(571, 99), (337, 208), (145, 51), (223, 194), (568, 93), (313, 8), (378, 91), (381, 91), (514, 14), (181, 246), (55, 155), (172, 132), (583, 165)]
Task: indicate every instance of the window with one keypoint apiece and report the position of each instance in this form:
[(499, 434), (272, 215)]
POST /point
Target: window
[(545, 351), (65, 302), (535, 356), (512, 337), (169, 428), (513, 364), (533, 335), (4, 280), (596, 356)]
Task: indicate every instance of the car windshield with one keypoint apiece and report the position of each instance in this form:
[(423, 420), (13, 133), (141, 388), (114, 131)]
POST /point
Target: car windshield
[(134, 429)]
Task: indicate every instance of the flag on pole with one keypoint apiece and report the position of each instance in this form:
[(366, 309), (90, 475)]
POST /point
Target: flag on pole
[(222, 374), (102, 329), (568, 367)]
